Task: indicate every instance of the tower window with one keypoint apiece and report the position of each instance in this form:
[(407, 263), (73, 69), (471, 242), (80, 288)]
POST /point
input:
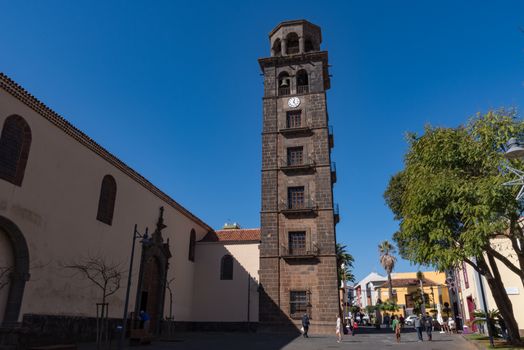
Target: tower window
[(294, 119), (192, 242), (295, 156), (302, 82), (298, 303), (284, 82), (226, 267), (308, 45), (292, 44), (297, 243), (295, 196), (277, 48), (106, 202), (15, 143)]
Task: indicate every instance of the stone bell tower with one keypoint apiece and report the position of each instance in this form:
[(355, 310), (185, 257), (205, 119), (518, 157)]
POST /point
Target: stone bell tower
[(298, 271)]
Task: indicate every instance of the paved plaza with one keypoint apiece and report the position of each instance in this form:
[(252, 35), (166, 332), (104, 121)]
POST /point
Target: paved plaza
[(366, 339)]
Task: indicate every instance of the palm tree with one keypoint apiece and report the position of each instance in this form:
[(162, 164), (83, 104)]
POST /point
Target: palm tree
[(347, 259), (387, 260)]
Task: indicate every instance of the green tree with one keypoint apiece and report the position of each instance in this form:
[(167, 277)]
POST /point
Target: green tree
[(388, 260), (450, 201), (343, 257)]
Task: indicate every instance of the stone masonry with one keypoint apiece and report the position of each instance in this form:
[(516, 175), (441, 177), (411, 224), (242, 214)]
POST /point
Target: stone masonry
[(309, 266)]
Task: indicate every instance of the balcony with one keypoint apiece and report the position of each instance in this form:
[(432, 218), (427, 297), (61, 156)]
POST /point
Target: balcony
[(302, 89), (304, 208), (284, 91), (336, 214), (302, 130), (333, 172), (307, 164), (310, 251), (331, 137)]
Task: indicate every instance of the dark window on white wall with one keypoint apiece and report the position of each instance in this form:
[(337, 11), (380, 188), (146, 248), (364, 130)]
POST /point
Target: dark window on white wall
[(106, 202), (15, 143), (226, 267)]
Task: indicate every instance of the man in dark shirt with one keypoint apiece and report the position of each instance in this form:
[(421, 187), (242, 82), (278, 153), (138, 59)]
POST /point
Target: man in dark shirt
[(305, 324)]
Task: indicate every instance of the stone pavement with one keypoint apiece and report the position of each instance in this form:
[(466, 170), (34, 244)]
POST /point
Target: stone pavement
[(367, 339)]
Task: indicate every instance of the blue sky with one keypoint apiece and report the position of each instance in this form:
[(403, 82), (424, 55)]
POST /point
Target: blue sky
[(174, 89)]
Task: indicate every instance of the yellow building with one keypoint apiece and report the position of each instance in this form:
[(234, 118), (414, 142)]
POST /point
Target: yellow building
[(406, 292)]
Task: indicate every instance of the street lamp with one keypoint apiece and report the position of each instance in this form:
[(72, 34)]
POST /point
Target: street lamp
[(144, 239)]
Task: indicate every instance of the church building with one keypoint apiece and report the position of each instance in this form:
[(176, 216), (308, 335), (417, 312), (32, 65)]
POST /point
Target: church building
[(68, 205)]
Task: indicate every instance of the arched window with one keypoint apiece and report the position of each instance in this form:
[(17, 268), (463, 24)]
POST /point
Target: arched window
[(226, 267), (192, 241), (106, 202), (308, 45), (284, 83), (277, 48), (15, 142), (292, 46), (302, 82)]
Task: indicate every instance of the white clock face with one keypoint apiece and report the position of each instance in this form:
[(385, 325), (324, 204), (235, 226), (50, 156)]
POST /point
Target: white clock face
[(293, 102)]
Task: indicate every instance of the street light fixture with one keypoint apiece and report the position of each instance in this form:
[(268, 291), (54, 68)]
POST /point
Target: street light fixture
[(145, 240)]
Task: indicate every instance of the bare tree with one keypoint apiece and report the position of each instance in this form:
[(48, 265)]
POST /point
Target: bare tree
[(4, 276), (103, 274)]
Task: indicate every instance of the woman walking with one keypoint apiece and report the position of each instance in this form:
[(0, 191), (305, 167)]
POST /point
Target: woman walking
[(395, 326), (338, 330)]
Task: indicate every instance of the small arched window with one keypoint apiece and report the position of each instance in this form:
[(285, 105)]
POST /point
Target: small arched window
[(284, 82), (192, 241), (308, 45), (302, 82), (292, 46), (106, 202), (226, 267), (277, 48), (15, 143)]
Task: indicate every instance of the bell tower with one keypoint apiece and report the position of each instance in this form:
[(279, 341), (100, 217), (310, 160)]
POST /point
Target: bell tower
[(298, 271)]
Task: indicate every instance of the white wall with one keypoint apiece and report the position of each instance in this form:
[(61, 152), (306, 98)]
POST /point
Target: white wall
[(226, 300), (56, 211)]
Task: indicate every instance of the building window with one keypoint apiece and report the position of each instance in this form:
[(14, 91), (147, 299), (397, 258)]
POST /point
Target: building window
[(295, 196), (302, 82), (293, 119), (292, 44), (297, 243), (298, 303), (15, 142), (226, 267), (294, 156), (192, 241), (106, 202)]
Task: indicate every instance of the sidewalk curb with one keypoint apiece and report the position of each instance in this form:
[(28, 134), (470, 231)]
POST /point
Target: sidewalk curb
[(474, 344)]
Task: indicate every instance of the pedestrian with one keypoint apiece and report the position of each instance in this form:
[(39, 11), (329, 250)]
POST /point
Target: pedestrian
[(144, 320), (402, 321), (305, 324), (338, 330), (428, 323), (395, 326), (418, 326), (354, 328)]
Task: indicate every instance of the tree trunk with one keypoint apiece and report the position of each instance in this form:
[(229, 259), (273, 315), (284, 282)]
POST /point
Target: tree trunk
[(390, 287), (501, 297)]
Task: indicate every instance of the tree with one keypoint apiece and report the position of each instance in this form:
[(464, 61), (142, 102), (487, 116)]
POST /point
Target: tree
[(450, 201), (387, 260), (343, 257), (4, 276)]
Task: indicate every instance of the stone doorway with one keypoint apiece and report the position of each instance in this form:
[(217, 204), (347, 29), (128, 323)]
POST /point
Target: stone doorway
[(150, 293)]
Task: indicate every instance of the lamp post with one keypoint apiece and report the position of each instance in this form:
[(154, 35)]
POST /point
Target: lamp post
[(144, 240), (345, 296)]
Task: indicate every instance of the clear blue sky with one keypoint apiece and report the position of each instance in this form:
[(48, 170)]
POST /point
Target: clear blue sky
[(174, 89)]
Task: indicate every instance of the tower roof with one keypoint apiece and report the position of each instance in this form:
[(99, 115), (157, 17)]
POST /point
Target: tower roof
[(297, 22)]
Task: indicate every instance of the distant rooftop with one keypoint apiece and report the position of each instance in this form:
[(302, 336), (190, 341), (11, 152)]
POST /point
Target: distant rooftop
[(233, 235)]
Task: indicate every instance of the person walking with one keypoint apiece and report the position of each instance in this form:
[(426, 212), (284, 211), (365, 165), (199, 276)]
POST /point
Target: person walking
[(395, 326), (305, 324), (428, 323), (354, 328), (338, 330), (418, 326)]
